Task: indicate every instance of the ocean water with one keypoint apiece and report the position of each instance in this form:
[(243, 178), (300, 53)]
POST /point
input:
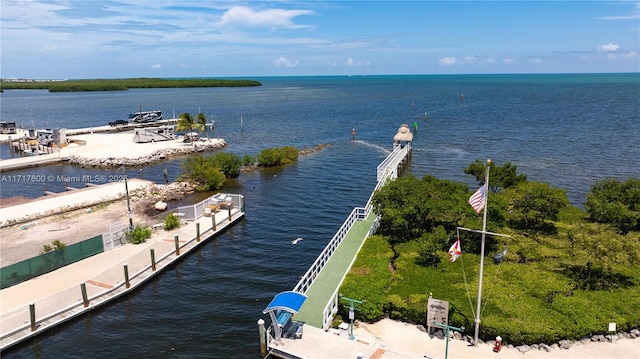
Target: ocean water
[(569, 130)]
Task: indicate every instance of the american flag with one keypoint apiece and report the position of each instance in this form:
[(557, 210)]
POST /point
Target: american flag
[(477, 199)]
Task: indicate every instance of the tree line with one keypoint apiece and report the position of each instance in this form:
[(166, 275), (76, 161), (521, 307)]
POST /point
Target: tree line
[(561, 262), (122, 84)]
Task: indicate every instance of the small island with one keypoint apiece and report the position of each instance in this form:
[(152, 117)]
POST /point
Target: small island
[(119, 84)]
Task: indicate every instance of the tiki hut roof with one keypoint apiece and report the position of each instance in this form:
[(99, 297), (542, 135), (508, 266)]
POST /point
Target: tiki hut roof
[(404, 134)]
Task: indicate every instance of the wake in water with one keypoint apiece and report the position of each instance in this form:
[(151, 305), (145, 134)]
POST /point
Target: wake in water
[(459, 152), (386, 151)]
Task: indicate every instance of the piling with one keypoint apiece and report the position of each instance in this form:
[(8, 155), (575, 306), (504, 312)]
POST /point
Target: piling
[(153, 260), (32, 315), (229, 213), (263, 338), (85, 298), (126, 276), (197, 231), (213, 221), (177, 242)]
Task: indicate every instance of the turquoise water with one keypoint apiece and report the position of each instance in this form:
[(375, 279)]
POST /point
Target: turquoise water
[(568, 130)]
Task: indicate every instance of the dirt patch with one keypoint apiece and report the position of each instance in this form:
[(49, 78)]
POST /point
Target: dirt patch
[(23, 241)]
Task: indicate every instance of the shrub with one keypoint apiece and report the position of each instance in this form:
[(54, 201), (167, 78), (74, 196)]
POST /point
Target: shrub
[(55, 245), (171, 221), (204, 172), (617, 203), (228, 163), (248, 160), (139, 235), (269, 157), (277, 156)]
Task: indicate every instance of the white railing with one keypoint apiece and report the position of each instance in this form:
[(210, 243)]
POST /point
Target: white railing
[(307, 279), (195, 211), (117, 231), (386, 171)]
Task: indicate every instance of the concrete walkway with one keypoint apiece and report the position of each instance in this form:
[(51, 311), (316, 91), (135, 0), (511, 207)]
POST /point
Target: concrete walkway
[(57, 296)]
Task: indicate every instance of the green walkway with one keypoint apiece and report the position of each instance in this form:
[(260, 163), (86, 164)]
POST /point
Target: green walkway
[(332, 274)]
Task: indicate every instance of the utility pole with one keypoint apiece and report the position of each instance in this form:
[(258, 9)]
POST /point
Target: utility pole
[(126, 189)]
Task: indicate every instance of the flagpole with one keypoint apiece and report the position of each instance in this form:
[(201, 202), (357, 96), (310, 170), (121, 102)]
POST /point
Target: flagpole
[(484, 231)]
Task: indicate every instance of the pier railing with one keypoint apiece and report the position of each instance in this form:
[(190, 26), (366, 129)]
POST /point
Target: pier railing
[(386, 171), (193, 212), (117, 231)]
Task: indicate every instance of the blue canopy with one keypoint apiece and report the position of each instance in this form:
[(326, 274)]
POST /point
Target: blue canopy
[(287, 301)]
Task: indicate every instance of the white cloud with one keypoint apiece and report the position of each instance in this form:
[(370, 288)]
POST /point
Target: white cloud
[(470, 59), (608, 47), (448, 61), (350, 62), (535, 60), (156, 66), (467, 60), (281, 61), (508, 60), (242, 15)]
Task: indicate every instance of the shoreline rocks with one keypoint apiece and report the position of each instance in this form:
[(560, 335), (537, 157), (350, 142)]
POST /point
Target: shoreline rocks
[(155, 157)]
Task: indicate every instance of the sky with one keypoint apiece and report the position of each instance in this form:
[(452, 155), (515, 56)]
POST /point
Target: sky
[(76, 39)]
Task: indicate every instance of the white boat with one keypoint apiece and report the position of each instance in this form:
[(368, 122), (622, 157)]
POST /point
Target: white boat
[(145, 116), (154, 134)]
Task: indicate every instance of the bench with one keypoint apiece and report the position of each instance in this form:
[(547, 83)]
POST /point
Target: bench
[(283, 318)]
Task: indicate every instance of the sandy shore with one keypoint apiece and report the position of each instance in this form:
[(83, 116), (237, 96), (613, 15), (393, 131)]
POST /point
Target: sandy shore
[(113, 150), (105, 146)]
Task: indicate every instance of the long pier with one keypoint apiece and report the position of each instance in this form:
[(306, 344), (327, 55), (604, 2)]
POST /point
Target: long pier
[(128, 268), (322, 280)]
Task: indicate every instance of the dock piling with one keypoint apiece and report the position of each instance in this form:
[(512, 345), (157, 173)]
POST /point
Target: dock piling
[(85, 298), (198, 231), (213, 221), (32, 315), (263, 338), (126, 276), (153, 260), (175, 239)]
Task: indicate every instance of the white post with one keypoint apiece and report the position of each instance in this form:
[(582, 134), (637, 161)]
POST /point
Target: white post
[(484, 229)]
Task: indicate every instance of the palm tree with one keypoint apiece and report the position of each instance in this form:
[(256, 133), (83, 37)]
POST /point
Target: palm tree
[(201, 120), (186, 122)]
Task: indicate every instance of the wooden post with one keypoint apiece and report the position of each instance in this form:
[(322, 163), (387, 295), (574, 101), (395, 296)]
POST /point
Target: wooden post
[(153, 260), (263, 338), (213, 221), (126, 276), (32, 315), (198, 231), (230, 213), (175, 239), (85, 298)]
